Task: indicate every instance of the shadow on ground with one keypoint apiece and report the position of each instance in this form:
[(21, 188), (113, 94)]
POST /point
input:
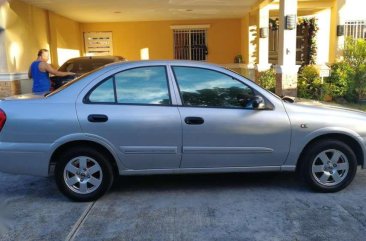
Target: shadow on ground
[(209, 182)]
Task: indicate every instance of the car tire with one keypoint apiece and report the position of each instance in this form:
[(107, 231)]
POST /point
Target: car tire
[(328, 166), (83, 174)]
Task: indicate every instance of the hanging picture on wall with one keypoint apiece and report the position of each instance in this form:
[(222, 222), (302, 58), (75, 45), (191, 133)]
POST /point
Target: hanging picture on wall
[(98, 43)]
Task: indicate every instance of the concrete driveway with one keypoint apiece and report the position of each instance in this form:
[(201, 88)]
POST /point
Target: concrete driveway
[(191, 207)]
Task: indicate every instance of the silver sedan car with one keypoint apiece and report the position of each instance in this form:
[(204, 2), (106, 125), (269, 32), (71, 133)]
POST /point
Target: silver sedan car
[(170, 117)]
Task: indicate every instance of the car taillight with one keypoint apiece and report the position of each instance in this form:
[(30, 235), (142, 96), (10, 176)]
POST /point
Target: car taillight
[(2, 119)]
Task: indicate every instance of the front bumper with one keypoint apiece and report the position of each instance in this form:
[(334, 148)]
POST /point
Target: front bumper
[(363, 147)]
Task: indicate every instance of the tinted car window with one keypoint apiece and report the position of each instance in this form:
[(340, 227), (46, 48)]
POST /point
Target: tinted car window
[(146, 85), (204, 87), (104, 93), (84, 65)]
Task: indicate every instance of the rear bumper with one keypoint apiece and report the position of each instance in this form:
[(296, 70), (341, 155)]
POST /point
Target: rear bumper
[(20, 158)]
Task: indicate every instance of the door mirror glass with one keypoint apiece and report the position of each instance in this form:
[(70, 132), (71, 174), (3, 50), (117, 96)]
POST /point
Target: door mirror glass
[(257, 102)]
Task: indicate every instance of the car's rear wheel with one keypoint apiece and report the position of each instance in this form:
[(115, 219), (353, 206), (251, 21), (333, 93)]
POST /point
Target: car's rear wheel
[(328, 166), (83, 174)]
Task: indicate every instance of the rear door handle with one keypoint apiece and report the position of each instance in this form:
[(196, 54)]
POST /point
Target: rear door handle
[(97, 118), (191, 120)]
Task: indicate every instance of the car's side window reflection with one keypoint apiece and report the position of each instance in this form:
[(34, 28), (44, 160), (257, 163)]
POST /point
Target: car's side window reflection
[(145, 85), (104, 93), (207, 88), (148, 85)]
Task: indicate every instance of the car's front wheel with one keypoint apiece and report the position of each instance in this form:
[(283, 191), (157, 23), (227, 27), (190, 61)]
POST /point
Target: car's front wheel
[(83, 174), (328, 165)]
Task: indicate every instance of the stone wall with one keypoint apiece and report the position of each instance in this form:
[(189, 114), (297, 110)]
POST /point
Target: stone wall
[(9, 88)]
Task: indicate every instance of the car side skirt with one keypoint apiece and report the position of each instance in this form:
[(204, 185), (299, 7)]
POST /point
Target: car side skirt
[(207, 170)]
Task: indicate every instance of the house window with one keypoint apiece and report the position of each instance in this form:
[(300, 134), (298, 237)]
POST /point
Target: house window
[(98, 43), (190, 44), (355, 29)]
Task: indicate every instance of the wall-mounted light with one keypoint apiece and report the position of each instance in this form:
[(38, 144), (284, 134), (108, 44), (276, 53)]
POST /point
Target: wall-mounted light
[(340, 30), (290, 22), (263, 32)]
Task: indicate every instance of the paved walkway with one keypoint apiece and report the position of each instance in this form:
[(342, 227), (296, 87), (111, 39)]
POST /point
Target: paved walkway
[(190, 207)]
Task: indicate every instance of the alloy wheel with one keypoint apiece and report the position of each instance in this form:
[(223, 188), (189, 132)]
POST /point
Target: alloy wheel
[(83, 175), (330, 167)]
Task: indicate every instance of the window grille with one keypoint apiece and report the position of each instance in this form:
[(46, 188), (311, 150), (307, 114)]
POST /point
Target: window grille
[(190, 44), (98, 43), (355, 29)]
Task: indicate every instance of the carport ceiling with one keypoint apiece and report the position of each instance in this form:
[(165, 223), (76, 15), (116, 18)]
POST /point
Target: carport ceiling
[(145, 10)]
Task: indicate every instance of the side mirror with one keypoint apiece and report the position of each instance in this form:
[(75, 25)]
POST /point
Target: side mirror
[(257, 102)]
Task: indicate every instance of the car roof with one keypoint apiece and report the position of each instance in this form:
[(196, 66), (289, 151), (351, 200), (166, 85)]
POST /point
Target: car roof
[(165, 62)]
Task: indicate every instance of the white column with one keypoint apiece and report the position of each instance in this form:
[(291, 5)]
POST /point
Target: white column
[(287, 69), (263, 41)]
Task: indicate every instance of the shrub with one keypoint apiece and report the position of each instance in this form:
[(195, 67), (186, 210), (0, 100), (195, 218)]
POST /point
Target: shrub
[(348, 77), (309, 83), (355, 52), (338, 83), (355, 56), (267, 79)]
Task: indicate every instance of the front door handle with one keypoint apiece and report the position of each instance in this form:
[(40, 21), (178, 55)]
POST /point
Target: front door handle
[(97, 118), (194, 120)]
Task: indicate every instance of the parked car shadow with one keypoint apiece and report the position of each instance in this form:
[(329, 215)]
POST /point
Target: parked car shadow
[(209, 182)]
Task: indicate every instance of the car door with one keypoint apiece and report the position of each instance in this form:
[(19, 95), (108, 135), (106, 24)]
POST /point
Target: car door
[(220, 126), (133, 111)]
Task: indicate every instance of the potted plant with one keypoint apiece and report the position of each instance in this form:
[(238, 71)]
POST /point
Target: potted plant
[(238, 59)]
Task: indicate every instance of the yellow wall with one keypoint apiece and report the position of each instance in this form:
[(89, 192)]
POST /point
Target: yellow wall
[(28, 29), (64, 34), (224, 38)]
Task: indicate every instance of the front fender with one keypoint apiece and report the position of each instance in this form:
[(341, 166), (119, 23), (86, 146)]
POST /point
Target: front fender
[(299, 142)]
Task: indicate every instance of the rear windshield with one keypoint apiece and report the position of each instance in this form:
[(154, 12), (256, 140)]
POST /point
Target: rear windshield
[(70, 83), (82, 66)]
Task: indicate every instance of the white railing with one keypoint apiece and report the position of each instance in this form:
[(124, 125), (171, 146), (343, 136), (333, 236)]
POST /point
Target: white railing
[(190, 44), (355, 29)]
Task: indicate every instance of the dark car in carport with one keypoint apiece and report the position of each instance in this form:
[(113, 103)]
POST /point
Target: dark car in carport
[(80, 66)]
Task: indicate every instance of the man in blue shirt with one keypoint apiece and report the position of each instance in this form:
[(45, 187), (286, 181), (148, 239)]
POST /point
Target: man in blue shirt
[(39, 71)]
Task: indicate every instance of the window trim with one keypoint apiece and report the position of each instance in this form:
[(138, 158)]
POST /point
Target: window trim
[(193, 26), (86, 99), (211, 107)]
